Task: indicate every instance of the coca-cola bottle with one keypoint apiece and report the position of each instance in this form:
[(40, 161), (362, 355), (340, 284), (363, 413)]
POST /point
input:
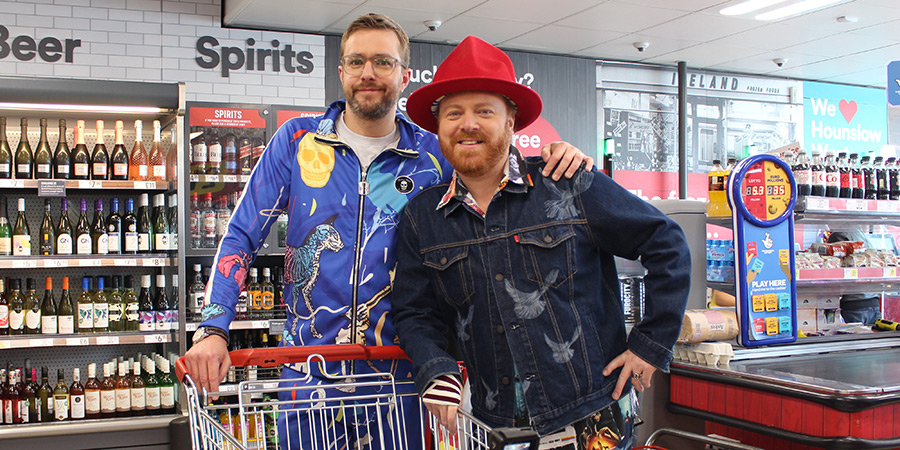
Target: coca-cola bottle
[(870, 191), (844, 169), (802, 173), (818, 175), (882, 189), (857, 189), (893, 181), (832, 176)]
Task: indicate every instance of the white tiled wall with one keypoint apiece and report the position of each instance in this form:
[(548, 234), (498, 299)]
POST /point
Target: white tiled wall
[(155, 40)]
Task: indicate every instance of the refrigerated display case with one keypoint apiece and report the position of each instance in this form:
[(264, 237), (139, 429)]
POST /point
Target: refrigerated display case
[(89, 100)]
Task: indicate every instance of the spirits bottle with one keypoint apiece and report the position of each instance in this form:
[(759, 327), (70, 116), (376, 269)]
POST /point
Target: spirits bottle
[(43, 156), (24, 156), (208, 223), (254, 294), (267, 288), (197, 294), (230, 154), (21, 236), (214, 150), (198, 155), (81, 159), (195, 220), (62, 157)]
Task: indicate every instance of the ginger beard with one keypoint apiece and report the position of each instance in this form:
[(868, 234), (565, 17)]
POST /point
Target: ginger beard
[(476, 162)]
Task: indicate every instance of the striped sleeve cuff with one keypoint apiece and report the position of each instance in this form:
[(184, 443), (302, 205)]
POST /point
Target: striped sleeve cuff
[(444, 390)]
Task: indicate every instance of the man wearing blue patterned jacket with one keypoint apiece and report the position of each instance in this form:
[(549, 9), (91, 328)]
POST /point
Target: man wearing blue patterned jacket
[(342, 178)]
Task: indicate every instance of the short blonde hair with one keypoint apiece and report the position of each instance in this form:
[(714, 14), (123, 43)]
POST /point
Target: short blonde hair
[(374, 21)]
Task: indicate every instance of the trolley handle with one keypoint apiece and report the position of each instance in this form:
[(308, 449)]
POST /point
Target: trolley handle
[(271, 357)]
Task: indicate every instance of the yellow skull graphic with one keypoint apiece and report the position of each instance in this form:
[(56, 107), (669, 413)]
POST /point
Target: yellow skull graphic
[(316, 162)]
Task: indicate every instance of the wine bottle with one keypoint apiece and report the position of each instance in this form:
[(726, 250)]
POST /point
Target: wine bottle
[(32, 308), (173, 222), (4, 312), (157, 156), (198, 155), (172, 160), (49, 318), (64, 231), (5, 230), (100, 156), (144, 225), (24, 157), (214, 149), (81, 159), (48, 232), (138, 396), (129, 227), (83, 232), (132, 308), (166, 389), (66, 310), (21, 239), (161, 224), (123, 392), (99, 238), (172, 310), (101, 308), (16, 308), (161, 304), (107, 393), (43, 157), (117, 306), (45, 393), (62, 157), (151, 388), (6, 156), (85, 307), (145, 306), (119, 156), (31, 398), (60, 398), (76, 396), (139, 160), (92, 401), (114, 228)]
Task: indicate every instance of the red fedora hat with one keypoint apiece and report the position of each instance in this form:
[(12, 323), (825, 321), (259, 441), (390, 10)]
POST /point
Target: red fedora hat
[(474, 65)]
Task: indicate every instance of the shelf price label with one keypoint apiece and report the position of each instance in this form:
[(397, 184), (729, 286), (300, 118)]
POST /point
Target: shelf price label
[(107, 340), (90, 262), (90, 184), (42, 342), (79, 341), (195, 178), (155, 338), (130, 262), (230, 178), (4, 344), (24, 264), (890, 272), (817, 203), (56, 263), (851, 273), (886, 206), (857, 205), (145, 184)]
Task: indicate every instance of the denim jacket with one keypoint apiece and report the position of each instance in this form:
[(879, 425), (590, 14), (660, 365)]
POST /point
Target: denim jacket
[(531, 290)]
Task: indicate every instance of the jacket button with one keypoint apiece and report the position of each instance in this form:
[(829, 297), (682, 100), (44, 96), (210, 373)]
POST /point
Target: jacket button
[(443, 260), (498, 277), (548, 239), (500, 329), (504, 380)]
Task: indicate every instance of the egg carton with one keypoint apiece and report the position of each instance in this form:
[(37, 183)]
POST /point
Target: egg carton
[(708, 353)]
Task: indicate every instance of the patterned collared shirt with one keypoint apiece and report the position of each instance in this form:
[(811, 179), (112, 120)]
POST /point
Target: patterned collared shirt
[(512, 173)]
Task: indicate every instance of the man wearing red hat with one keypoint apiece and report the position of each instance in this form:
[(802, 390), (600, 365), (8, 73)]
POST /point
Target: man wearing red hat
[(518, 269)]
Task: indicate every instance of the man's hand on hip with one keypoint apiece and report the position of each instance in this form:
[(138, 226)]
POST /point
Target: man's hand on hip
[(208, 362)]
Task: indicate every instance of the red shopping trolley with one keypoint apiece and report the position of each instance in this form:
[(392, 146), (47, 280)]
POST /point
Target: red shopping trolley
[(247, 422)]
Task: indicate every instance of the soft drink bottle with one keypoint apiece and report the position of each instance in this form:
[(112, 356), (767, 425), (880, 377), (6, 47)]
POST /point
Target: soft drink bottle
[(818, 175), (802, 173), (832, 176), (844, 169)]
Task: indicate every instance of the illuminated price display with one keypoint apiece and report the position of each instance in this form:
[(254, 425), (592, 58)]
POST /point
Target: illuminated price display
[(766, 190)]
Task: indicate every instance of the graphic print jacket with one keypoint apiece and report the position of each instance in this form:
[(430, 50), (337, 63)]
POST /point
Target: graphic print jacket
[(339, 261)]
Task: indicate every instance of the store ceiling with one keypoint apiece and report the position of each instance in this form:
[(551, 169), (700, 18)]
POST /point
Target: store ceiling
[(816, 45)]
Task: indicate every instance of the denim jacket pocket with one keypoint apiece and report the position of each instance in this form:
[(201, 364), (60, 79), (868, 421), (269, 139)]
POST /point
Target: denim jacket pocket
[(451, 270), (549, 254)]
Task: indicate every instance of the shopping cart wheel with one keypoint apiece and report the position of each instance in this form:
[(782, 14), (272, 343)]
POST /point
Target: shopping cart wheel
[(513, 439), (180, 433)]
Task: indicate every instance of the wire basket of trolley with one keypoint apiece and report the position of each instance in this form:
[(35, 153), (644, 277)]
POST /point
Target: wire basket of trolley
[(351, 411)]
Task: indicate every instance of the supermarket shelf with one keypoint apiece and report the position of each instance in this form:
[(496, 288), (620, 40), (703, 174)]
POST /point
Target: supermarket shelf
[(75, 340), (40, 430), (245, 325), (53, 262), (843, 274), (856, 211), (219, 178), (91, 184)]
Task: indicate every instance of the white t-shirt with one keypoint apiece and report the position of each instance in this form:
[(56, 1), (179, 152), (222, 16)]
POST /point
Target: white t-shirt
[(366, 148)]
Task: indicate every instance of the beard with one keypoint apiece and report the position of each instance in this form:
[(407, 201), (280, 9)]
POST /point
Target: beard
[(476, 162), (372, 110)]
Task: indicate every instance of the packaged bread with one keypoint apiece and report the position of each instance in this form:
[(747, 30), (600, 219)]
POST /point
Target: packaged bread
[(701, 325)]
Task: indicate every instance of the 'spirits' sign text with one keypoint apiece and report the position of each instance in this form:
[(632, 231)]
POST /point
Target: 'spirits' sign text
[(26, 48), (234, 58)]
